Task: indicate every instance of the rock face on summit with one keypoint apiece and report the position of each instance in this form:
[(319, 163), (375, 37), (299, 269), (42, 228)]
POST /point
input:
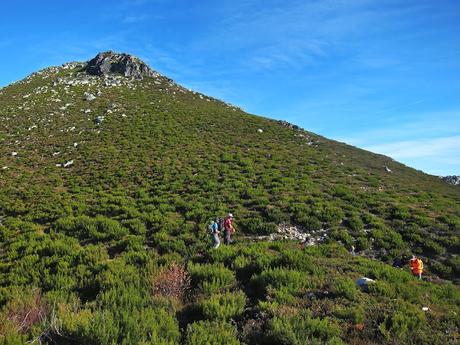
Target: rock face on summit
[(455, 180), (115, 63)]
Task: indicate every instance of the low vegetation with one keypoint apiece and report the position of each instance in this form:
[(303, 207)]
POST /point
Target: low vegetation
[(113, 248)]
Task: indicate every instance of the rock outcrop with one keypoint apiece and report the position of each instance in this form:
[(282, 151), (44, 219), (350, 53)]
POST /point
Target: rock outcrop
[(114, 63), (455, 180)]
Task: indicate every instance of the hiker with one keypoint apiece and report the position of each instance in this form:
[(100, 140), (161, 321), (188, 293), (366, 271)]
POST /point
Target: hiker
[(228, 229), (214, 229), (352, 251), (416, 266)]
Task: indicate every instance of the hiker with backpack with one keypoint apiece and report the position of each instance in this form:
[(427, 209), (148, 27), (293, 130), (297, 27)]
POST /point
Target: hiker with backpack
[(214, 231), (228, 229)]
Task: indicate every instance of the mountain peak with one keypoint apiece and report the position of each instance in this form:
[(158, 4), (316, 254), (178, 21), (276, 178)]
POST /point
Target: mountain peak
[(110, 62)]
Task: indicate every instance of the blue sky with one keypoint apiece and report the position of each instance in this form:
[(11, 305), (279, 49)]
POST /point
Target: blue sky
[(383, 75)]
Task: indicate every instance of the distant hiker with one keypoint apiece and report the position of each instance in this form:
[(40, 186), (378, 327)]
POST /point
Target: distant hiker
[(352, 251), (228, 229), (214, 229), (416, 266)]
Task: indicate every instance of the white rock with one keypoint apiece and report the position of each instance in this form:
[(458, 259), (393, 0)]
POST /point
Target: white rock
[(99, 119), (14, 154), (56, 153), (75, 144), (68, 163), (260, 130), (89, 96)]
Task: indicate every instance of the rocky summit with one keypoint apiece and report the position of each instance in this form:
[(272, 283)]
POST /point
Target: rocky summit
[(115, 63), (454, 180)]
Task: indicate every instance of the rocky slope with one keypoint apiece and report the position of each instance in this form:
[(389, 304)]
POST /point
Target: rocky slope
[(454, 180)]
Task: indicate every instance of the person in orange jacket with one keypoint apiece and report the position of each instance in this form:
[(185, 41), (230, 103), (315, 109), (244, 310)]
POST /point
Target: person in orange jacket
[(416, 266)]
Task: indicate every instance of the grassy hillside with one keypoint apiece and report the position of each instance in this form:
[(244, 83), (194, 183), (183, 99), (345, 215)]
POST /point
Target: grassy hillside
[(105, 200)]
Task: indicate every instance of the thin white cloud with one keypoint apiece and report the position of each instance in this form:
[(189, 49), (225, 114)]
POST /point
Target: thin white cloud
[(425, 125), (134, 19), (447, 147)]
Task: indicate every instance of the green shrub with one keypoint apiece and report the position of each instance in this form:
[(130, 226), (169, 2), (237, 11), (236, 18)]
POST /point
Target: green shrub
[(403, 322), (210, 279), (223, 306), (345, 287), (211, 333), (99, 228), (362, 243), (302, 329), (354, 222), (258, 227), (277, 278), (341, 235), (309, 222), (135, 226), (275, 215), (131, 327), (354, 314), (383, 289)]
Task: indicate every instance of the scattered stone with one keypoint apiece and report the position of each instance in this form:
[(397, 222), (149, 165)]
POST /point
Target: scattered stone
[(288, 125), (99, 119), (387, 169), (56, 153), (260, 130), (89, 96), (291, 232), (425, 308), (68, 163), (4, 168), (75, 144), (14, 154)]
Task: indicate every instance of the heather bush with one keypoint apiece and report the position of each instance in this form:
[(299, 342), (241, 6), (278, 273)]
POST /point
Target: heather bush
[(223, 306), (302, 328), (211, 278), (172, 282), (345, 287), (276, 278), (403, 323), (212, 333)]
